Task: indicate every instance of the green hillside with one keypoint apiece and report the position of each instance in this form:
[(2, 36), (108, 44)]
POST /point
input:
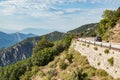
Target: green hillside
[(23, 49), (88, 30), (110, 19), (43, 53)]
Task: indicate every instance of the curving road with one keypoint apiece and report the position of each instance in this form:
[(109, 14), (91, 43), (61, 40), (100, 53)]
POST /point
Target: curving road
[(105, 44)]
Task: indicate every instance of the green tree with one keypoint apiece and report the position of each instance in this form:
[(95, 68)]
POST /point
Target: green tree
[(108, 14), (43, 43)]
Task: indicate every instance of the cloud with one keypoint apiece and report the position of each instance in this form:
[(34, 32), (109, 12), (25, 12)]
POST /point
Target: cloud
[(66, 14), (10, 7), (105, 1)]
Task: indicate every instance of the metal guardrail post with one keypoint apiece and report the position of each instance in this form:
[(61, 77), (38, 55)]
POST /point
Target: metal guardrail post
[(101, 44), (94, 42), (110, 46)]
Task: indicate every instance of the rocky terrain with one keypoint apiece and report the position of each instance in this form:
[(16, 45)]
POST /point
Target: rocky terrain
[(24, 49)]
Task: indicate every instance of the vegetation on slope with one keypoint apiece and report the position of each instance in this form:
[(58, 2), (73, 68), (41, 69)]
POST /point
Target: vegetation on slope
[(23, 49), (110, 18), (51, 61), (44, 52), (88, 30), (69, 65)]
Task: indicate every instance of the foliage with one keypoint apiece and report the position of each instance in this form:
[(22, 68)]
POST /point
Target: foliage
[(62, 65), (111, 61), (110, 18), (88, 30), (90, 71), (43, 43), (101, 73), (78, 74), (43, 53), (69, 57), (106, 51), (95, 48)]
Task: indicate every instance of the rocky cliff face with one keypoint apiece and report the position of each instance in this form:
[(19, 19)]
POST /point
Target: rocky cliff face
[(115, 33), (16, 53), (24, 49)]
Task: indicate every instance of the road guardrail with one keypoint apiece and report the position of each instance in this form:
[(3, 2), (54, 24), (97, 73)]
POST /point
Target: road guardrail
[(104, 44)]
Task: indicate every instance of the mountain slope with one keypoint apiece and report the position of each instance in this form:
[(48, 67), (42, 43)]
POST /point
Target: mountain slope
[(69, 65), (44, 52), (23, 49), (87, 29), (7, 40)]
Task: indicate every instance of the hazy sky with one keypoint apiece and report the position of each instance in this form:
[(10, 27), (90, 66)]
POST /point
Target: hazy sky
[(52, 14)]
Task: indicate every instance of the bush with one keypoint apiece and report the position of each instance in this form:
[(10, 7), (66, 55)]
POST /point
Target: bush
[(111, 61), (90, 71), (95, 48), (62, 65), (52, 72), (69, 57), (88, 45), (106, 51), (43, 57), (98, 63), (100, 54), (101, 73), (78, 74)]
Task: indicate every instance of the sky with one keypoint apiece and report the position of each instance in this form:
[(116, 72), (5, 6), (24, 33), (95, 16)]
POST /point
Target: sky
[(61, 15)]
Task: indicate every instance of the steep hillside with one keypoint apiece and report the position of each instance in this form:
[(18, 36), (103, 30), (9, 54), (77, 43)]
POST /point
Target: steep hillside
[(7, 40), (87, 30), (115, 33), (43, 53), (23, 49), (69, 65), (109, 25)]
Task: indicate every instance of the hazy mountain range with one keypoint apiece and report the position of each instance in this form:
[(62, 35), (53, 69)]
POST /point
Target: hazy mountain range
[(23, 49), (7, 40), (37, 31)]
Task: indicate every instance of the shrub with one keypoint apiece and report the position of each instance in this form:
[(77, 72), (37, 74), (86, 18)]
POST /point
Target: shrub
[(52, 72), (107, 78), (95, 48), (88, 45), (101, 73), (100, 54), (62, 65), (90, 71), (98, 63), (69, 57), (83, 44), (106, 51), (111, 61), (118, 79), (77, 74)]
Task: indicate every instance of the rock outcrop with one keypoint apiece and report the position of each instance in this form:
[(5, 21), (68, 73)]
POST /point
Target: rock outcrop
[(24, 49)]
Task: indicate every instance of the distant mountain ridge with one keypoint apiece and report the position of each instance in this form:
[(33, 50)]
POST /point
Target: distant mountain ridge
[(88, 29), (23, 49), (7, 40), (38, 31)]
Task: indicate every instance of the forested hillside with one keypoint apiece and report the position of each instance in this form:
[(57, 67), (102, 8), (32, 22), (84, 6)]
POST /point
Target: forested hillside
[(110, 19), (87, 30), (43, 53), (23, 50)]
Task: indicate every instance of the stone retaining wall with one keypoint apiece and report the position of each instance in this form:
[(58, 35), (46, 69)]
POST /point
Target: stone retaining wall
[(98, 58)]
